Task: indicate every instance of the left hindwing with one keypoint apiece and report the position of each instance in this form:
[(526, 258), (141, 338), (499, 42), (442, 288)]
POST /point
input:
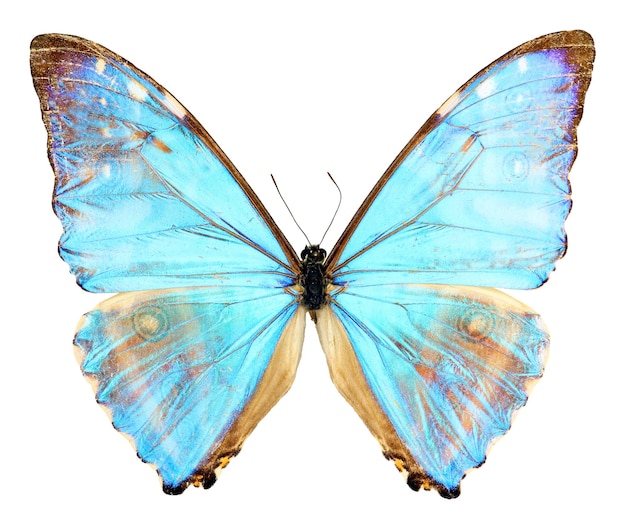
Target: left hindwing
[(186, 374)]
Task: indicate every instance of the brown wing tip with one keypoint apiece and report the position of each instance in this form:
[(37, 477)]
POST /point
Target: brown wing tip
[(55, 41), (561, 39), (579, 47)]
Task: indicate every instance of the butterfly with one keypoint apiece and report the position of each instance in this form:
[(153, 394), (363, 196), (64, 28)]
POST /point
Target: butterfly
[(205, 332)]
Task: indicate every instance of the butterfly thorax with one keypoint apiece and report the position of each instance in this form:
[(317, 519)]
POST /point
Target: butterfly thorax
[(313, 277)]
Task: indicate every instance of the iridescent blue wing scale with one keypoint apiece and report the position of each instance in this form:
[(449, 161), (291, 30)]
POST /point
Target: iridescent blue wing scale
[(148, 201), (188, 373), (146, 197), (478, 197), (435, 371), (480, 194)]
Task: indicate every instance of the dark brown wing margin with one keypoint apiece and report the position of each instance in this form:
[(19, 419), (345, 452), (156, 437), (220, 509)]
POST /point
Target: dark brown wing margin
[(78, 44)]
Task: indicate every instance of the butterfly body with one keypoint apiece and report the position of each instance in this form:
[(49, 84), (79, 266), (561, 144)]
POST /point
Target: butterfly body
[(206, 332), (313, 277)]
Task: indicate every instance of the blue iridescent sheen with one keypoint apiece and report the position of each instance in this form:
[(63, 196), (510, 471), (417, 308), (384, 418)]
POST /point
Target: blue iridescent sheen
[(144, 202), (482, 198), (175, 367), (207, 334), (151, 206), (478, 198), (448, 366)]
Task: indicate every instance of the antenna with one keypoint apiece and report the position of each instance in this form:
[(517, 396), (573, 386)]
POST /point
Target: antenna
[(290, 213), (336, 210), (294, 218)]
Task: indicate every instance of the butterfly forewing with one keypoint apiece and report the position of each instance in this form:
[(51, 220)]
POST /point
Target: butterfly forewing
[(146, 198), (480, 194)]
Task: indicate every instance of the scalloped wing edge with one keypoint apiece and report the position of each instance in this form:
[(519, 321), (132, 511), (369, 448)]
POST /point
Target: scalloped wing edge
[(349, 379), (276, 381)]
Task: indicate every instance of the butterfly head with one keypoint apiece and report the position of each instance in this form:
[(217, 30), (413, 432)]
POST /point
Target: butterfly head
[(313, 254)]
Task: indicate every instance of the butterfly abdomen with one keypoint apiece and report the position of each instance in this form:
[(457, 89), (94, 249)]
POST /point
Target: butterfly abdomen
[(313, 277)]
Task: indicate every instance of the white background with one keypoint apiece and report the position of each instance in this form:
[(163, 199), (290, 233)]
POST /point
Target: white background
[(296, 90)]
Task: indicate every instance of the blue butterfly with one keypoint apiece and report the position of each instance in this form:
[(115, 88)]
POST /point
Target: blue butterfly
[(208, 331)]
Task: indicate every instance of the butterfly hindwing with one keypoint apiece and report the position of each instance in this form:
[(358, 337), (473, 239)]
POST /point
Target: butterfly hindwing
[(435, 371), (146, 197), (187, 374)]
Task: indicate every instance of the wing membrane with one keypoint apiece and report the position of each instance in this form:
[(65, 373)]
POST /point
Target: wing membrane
[(478, 197), (187, 373), (436, 372), (146, 197), (480, 194)]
